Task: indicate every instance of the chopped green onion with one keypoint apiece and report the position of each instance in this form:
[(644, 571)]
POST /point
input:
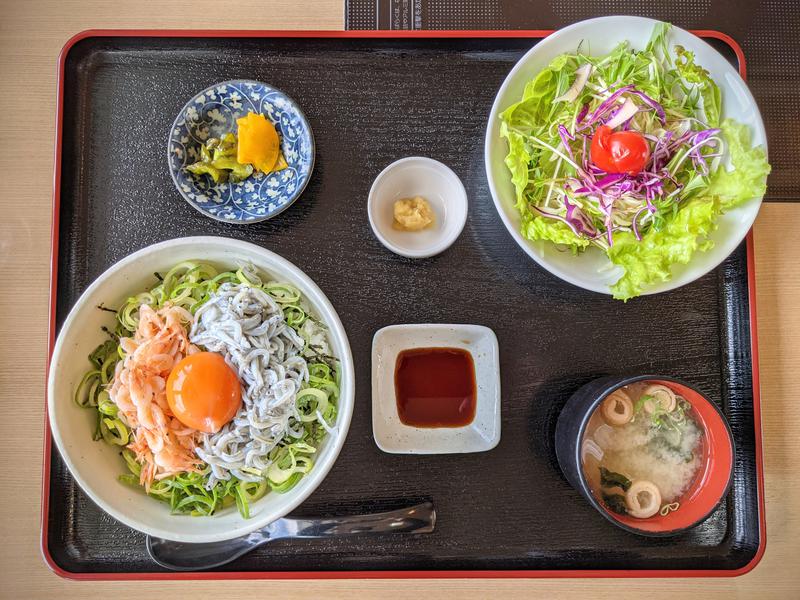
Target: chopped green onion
[(282, 292), (114, 431), (86, 392)]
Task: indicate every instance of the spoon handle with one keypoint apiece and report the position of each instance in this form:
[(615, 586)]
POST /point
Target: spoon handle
[(183, 556), (415, 519)]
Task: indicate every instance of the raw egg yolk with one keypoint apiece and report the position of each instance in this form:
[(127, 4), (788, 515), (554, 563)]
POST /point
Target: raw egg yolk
[(203, 392)]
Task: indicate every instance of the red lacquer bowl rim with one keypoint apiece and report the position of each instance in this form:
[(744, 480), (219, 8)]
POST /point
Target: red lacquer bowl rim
[(707, 491)]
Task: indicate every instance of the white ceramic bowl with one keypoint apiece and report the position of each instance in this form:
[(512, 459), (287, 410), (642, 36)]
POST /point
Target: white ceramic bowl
[(95, 465), (434, 181), (592, 269), (391, 434)]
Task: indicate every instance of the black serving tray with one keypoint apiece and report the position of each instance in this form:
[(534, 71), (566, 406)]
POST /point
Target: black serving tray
[(371, 100)]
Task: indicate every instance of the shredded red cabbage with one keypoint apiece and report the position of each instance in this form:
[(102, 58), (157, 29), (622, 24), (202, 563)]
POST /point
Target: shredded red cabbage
[(566, 138), (582, 115), (646, 187)]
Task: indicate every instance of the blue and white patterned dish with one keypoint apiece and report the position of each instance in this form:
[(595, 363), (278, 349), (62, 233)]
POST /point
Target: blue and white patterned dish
[(213, 113)]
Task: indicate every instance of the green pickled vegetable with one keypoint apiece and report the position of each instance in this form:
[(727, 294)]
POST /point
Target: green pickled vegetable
[(236, 171), (202, 168), (218, 160)]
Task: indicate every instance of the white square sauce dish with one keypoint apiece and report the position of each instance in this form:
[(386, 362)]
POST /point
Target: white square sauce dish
[(474, 346)]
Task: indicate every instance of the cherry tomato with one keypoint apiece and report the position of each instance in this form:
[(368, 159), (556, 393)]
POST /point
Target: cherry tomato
[(619, 151)]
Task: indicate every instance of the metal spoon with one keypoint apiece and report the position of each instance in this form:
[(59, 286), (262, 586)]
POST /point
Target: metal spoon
[(182, 556)]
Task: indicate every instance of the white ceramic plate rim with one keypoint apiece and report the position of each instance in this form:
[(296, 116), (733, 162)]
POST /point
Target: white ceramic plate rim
[(702, 262), (320, 470)]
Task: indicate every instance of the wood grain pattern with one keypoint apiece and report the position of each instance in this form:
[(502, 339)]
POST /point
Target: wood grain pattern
[(30, 36)]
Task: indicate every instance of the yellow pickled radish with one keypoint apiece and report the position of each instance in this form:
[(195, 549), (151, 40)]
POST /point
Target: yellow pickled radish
[(281, 163), (259, 144)]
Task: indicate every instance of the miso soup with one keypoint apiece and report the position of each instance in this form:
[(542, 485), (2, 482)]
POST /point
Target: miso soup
[(642, 450)]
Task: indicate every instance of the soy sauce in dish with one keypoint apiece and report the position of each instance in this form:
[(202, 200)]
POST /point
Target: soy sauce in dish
[(435, 387)]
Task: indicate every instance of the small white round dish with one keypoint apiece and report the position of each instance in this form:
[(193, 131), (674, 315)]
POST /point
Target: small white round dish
[(391, 434), (436, 183), (96, 465), (592, 270)]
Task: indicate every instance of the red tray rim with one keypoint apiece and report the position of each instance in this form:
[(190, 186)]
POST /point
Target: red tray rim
[(406, 574)]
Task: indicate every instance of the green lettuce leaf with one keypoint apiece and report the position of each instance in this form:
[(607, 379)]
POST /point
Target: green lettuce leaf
[(535, 227), (518, 160), (648, 261), (536, 101), (686, 231), (747, 178)]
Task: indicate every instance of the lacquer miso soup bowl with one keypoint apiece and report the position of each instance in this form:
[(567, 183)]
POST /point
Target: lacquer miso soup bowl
[(650, 453)]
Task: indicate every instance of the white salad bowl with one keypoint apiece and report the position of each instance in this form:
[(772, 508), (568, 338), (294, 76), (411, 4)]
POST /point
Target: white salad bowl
[(96, 465), (592, 270)]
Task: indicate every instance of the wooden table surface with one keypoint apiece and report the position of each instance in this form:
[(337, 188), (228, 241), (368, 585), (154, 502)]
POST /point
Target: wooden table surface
[(31, 35)]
